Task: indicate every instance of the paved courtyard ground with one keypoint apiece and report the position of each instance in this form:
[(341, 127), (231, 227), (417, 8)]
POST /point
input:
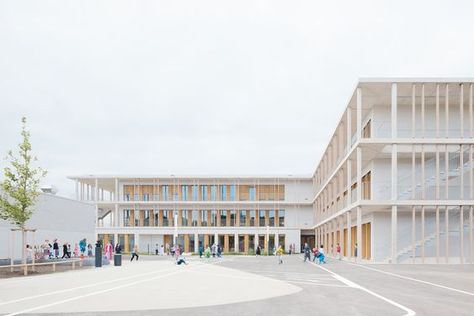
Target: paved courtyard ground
[(240, 285)]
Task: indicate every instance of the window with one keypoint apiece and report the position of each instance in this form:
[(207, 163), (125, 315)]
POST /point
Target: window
[(252, 193), (164, 192), (195, 216), (203, 192), (232, 192), (184, 218), (203, 218), (213, 192), (281, 218), (166, 218), (126, 197), (184, 192), (126, 217), (223, 218), (146, 218), (156, 218), (252, 217), (223, 192), (213, 218), (271, 218), (232, 218), (146, 197), (366, 131), (261, 218), (195, 192), (243, 217)]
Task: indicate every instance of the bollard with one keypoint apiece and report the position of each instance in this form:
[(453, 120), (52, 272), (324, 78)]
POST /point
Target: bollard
[(25, 270), (98, 257), (73, 265), (117, 260)]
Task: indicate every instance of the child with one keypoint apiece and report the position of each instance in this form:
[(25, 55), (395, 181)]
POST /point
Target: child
[(279, 253)]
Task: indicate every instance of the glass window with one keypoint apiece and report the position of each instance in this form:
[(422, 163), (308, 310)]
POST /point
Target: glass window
[(166, 218), (243, 217), (146, 197), (223, 192), (195, 192), (261, 218), (126, 197), (203, 192), (184, 218), (252, 217), (232, 192), (271, 218), (126, 217), (155, 218), (252, 193), (213, 192), (184, 192), (213, 218), (223, 217), (232, 218), (203, 218), (195, 215), (164, 192), (281, 218), (146, 218)]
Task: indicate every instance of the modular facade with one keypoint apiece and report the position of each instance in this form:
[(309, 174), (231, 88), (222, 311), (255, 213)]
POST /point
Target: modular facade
[(395, 184)]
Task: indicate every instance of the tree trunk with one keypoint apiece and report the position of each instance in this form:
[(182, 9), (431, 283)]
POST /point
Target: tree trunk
[(23, 246)]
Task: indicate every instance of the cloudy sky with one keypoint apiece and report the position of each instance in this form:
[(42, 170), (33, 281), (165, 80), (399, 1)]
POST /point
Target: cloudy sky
[(206, 87)]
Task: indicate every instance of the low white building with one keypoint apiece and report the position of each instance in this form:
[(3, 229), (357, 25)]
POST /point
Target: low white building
[(53, 217)]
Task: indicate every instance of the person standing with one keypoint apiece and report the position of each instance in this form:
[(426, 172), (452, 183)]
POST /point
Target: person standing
[(258, 252), (200, 251), (134, 253), (118, 248), (207, 252), (307, 252), (162, 250), (355, 252), (109, 249), (279, 253), (56, 249), (157, 250), (338, 251), (219, 251)]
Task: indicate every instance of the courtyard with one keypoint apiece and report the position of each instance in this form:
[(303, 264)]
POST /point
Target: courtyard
[(243, 285)]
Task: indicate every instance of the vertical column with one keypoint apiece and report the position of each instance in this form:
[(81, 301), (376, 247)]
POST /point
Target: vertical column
[(255, 241), (196, 243), (437, 111), (461, 233), (437, 234), (137, 240), (116, 194), (413, 111), (76, 189), (216, 238), (236, 242), (96, 190), (359, 233), (394, 110), (116, 216), (413, 233), (394, 195), (349, 181), (115, 239), (446, 229), (186, 243), (349, 129), (446, 112), (461, 110), (341, 235), (359, 113), (359, 173), (423, 234), (349, 234), (423, 135)]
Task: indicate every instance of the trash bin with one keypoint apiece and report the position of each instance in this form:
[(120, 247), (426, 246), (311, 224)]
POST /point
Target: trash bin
[(98, 257), (117, 260)]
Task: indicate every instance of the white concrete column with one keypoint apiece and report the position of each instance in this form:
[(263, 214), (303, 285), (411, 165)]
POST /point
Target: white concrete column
[(116, 216), (437, 111), (413, 233), (461, 110), (394, 234), (349, 234), (423, 132), (423, 234), (413, 111), (137, 241), (437, 234), (216, 239), (116, 194), (461, 233), (394, 110), (349, 129), (394, 173), (196, 242), (446, 111), (359, 113), (359, 233), (359, 173), (349, 181), (446, 234), (255, 241), (76, 189), (236, 242), (115, 240), (96, 190), (276, 241)]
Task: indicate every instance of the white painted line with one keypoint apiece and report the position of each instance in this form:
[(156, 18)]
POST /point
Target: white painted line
[(81, 287), (100, 291), (413, 279), (408, 311), (319, 284)]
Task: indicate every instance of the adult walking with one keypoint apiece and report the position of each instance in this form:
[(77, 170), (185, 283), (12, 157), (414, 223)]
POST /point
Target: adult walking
[(65, 251), (321, 255), (56, 249), (307, 252), (135, 253), (258, 252)]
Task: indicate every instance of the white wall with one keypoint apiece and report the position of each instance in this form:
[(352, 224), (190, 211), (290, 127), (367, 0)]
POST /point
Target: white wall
[(54, 217)]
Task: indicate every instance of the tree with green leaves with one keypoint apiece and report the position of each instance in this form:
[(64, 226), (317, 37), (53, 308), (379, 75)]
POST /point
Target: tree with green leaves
[(20, 186)]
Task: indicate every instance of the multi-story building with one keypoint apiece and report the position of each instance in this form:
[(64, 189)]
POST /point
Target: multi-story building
[(395, 184), (235, 212)]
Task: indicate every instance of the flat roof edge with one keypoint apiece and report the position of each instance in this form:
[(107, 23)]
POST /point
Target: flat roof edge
[(415, 79)]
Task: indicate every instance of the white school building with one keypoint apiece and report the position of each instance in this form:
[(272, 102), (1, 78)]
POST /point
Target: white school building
[(395, 184)]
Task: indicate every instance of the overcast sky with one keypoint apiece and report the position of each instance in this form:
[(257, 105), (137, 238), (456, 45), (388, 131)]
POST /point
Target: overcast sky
[(206, 87)]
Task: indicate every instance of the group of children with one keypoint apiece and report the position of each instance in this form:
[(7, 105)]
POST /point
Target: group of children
[(48, 250)]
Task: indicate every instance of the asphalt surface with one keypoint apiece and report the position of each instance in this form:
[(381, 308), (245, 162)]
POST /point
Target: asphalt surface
[(241, 285)]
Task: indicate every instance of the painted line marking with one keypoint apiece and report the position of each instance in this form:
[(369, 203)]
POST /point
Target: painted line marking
[(412, 279), (319, 284), (101, 291), (348, 282)]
